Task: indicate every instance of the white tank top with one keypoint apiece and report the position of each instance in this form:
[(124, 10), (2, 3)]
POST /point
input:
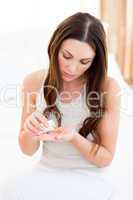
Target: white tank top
[(64, 154)]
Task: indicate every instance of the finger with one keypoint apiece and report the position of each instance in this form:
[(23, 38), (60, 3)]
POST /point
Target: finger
[(30, 131), (35, 123), (46, 137), (32, 128), (27, 129), (59, 138), (41, 118)]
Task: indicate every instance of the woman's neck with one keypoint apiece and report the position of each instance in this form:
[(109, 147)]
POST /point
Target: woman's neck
[(73, 85)]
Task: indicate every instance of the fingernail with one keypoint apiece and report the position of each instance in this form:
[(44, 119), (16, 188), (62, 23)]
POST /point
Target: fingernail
[(46, 124), (41, 126)]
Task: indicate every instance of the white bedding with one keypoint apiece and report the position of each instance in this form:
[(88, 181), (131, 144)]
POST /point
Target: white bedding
[(12, 160)]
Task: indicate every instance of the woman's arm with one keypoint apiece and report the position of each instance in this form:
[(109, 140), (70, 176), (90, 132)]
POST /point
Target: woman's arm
[(108, 129), (30, 87)]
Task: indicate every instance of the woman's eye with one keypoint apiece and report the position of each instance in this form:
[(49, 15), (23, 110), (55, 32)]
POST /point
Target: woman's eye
[(67, 57), (85, 63)]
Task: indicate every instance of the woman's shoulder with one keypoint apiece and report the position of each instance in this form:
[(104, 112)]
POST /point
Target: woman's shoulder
[(111, 84), (112, 91), (34, 80)]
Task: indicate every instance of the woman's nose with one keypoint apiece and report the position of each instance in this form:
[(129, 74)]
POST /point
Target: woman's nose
[(72, 69)]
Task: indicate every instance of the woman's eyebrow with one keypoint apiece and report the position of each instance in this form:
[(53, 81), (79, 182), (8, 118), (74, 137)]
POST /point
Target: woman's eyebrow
[(81, 59)]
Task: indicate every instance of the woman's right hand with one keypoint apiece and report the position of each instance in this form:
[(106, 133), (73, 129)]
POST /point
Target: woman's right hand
[(34, 124)]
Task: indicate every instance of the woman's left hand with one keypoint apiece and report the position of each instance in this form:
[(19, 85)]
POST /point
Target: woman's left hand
[(58, 134), (64, 134)]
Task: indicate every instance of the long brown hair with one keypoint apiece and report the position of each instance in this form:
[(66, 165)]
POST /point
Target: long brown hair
[(87, 28)]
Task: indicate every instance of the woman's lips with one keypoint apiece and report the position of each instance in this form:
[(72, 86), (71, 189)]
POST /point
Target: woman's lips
[(68, 75)]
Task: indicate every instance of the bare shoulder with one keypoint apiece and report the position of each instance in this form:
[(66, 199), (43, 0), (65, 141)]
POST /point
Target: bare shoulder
[(33, 81), (112, 85), (112, 91)]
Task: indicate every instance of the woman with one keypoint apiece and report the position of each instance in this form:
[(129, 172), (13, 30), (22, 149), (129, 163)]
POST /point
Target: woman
[(83, 101)]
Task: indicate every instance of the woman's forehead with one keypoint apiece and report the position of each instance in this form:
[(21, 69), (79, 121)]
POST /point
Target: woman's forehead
[(76, 47)]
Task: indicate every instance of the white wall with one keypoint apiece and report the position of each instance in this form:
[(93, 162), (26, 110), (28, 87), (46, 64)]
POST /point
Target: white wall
[(25, 29)]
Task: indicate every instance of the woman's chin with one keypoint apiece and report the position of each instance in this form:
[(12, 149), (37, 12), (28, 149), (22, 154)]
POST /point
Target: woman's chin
[(67, 78)]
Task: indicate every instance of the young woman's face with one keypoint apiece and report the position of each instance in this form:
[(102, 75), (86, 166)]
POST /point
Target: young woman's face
[(74, 58)]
